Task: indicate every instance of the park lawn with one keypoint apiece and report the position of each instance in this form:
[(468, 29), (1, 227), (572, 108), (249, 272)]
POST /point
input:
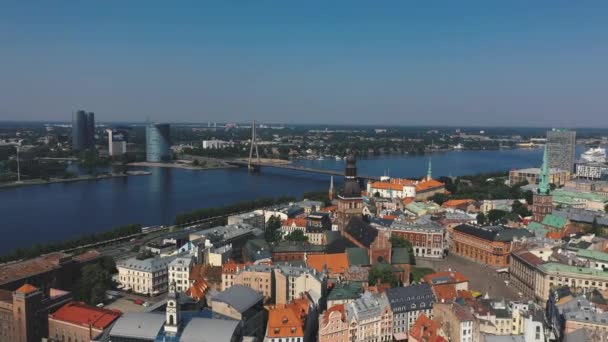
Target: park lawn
[(418, 272)]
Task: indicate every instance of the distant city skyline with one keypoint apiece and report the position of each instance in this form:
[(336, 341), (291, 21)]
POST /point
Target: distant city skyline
[(451, 64)]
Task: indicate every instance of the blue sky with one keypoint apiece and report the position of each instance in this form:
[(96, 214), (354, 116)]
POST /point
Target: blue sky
[(524, 63)]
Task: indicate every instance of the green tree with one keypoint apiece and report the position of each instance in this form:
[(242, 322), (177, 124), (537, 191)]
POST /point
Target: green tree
[(606, 208), (382, 273), (195, 162), (495, 215), (439, 198), (296, 235), (529, 196), (482, 219), (399, 242), (95, 279), (520, 209), (273, 229)]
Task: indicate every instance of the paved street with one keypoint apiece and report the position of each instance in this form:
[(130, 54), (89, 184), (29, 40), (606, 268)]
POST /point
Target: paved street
[(481, 278)]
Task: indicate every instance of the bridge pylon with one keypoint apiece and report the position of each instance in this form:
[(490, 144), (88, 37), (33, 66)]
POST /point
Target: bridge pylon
[(250, 164)]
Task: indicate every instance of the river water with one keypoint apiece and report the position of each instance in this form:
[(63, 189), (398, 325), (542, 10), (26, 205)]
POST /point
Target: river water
[(55, 212)]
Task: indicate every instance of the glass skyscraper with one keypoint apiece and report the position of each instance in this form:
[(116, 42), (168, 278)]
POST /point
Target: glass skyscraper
[(561, 148), (158, 143), (83, 130)]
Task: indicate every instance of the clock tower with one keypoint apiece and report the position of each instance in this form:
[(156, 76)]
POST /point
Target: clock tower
[(172, 322)]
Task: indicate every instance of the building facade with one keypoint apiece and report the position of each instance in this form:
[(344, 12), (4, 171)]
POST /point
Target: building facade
[(370, 318), (117, 142), (427, 238), (457, 321), (486, 245), (561, 148), (407, 304), (149, 276), (557, 177), (158, 143), (24, 312), (595, 171), (179, 272)]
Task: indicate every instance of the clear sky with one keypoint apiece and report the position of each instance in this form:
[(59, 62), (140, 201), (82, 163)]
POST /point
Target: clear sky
[(537, 63)]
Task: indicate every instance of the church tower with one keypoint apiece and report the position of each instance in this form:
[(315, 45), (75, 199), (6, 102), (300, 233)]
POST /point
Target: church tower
[(350, 201), (172, 322), (429, 172), (542, 204), (331, 189)]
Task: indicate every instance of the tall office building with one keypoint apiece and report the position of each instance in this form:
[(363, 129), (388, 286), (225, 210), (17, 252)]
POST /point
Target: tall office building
[(90, 130), (158, 143), (117, 142), (560, 149), (83, 130)]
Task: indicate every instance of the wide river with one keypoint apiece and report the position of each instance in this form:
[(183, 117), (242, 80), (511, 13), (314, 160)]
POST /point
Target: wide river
[(54, 212)]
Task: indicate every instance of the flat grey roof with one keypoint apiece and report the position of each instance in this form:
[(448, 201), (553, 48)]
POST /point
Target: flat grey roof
[(209, 330), (240, 297), (138, 325)]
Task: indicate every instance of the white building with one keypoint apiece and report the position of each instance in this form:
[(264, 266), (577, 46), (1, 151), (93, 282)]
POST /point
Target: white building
[(216, 144), (591, 170), (148, 276), (371, 318), (392, 188), (179, 272), (117, 144)]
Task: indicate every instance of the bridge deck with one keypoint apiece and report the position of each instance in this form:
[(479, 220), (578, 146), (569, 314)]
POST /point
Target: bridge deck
[(297, 168)]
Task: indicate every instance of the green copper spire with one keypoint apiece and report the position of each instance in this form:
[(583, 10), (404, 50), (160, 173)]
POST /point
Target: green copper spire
[(429, 172), (543, 184)]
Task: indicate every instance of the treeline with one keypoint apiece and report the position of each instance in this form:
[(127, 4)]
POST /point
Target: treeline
[(321, 196), (39, 249), (207, 213)]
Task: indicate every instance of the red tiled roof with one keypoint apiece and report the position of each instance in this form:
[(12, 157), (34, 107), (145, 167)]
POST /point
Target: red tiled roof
[(298, 222), (336, 308), (457, 203), (27, 289), (445, 292), (407, 200), (454, 277), (426, 329), (329, 209), (530, 258), (87, 256), (30, 267), (395, 184), (231, 267), (288, 320), (198, 290), (335, 263), (428, 184), (85, 315)]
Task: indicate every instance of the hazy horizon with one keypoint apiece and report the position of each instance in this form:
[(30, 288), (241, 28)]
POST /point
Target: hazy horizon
[(473, 64)]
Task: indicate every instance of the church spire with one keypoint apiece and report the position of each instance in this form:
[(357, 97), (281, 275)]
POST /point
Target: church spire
[(331, 188), (543, 184), (429, 172)]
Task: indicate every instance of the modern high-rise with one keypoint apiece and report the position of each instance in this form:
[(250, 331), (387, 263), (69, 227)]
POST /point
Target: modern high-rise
[(83, 130), (117, 142), (158, 143), (560, 149)]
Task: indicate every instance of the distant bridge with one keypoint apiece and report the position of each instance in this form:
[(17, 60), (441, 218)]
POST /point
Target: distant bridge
[(255, 165)]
